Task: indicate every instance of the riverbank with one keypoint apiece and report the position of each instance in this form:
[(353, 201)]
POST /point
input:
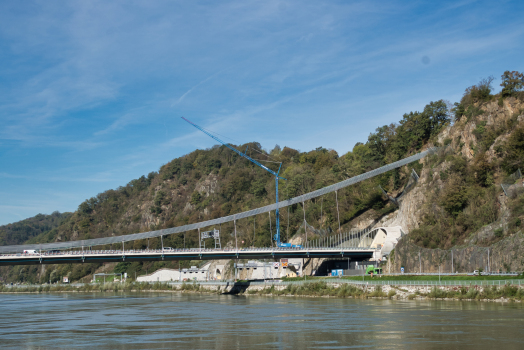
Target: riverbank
[(502, 293)]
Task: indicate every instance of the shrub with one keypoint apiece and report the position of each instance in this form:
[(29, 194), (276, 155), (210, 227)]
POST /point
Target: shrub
[(437, 293), (472, 293)]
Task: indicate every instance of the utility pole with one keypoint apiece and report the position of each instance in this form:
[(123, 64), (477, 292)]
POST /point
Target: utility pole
[(236, 241), (489, 267), (419, 263)]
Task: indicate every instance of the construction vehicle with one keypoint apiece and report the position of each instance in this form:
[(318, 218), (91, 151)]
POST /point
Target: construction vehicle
[(372, 270)]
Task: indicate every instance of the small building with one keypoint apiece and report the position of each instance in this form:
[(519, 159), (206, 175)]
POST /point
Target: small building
[(169, 275)]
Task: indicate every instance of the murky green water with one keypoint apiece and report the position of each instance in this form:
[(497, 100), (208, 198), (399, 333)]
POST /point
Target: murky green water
[(168, 321)]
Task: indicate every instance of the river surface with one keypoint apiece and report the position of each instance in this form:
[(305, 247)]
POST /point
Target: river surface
[(191, 321)]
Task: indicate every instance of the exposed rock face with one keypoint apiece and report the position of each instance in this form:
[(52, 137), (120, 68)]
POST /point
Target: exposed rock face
[(505, 255), (407, 216), (208, 186)]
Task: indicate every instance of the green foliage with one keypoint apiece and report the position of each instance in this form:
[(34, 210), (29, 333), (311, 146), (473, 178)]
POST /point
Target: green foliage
[(478, 93), (258, 188), (467, 202), (416, 128), (170, 170), (28, 229), (463, 202), (242, 185), (511, 82), (480, 129), (122, 267), (196, 198), (513, 151), (455, 197), (516, 207), (473, 95)]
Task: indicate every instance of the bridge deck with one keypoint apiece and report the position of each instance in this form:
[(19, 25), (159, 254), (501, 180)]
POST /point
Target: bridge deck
[(98, 256)]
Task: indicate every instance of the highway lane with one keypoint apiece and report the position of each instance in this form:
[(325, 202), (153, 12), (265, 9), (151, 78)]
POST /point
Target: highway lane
[(98, 256)]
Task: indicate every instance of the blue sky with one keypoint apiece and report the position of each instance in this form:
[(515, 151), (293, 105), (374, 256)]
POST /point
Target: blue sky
[(91, 92)]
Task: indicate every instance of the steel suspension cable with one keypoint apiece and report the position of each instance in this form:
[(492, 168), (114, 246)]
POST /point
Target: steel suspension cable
[(305, 224), (338, 215), (229, 218)]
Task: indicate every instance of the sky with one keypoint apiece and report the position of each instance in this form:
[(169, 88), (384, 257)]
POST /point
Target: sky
[(92, 92)]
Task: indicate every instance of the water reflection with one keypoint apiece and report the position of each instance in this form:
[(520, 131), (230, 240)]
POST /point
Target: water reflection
[(187, 321)]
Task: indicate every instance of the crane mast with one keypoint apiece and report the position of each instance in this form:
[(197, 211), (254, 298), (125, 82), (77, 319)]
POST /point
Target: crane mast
[(276, 174)]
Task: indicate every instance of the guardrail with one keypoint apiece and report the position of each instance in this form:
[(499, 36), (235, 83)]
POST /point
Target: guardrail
[(186, 250), (511, 273)]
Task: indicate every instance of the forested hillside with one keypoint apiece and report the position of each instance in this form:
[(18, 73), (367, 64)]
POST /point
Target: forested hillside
[(481, 140), (24, 231)]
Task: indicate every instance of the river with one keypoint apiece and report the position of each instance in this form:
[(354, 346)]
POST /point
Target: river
[(194, 321)]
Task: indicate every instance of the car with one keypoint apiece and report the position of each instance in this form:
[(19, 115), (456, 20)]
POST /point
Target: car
[(474, 273)]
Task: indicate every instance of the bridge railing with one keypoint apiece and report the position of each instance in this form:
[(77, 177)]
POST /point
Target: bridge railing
[(175, 251)]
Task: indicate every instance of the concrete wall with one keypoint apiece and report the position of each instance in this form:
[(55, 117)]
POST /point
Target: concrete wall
[(268, 272), (167, 275)]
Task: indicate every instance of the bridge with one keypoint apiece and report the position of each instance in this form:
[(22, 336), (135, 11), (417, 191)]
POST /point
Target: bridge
[(99, 256), (357, 245)]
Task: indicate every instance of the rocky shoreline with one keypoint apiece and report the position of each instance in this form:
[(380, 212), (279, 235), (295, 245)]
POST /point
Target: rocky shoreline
[(505, 293)]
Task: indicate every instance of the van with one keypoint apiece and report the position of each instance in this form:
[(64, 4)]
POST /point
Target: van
[(30, 251)]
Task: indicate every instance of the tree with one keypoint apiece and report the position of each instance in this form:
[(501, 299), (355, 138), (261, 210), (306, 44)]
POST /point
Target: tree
[(416, 128), (514, 149), (479, 92), (512, 82), (454, 198), (380, 141), (195, 197)]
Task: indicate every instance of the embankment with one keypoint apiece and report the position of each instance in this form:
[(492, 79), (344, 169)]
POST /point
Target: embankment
[(505, 255), (507, 291)]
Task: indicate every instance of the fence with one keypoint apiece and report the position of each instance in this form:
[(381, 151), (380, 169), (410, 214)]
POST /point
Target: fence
[(458, 283)]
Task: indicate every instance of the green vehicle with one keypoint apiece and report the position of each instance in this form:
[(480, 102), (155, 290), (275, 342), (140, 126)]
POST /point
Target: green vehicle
[(373, 270)]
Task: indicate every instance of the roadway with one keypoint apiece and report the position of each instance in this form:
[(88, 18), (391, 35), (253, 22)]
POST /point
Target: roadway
[(100, 256)]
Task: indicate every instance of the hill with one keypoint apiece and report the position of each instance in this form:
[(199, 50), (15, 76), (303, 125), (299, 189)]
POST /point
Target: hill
[(481, 140)]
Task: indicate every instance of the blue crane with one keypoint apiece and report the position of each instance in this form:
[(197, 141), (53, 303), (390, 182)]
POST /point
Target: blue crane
[(277, 235)]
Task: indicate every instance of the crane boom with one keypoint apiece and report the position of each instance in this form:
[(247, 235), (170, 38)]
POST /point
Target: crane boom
[(234, 149), (276, 174)]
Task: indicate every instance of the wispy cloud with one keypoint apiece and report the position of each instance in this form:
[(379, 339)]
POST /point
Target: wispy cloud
[(92, 92), (14, 176), (181, 98)]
